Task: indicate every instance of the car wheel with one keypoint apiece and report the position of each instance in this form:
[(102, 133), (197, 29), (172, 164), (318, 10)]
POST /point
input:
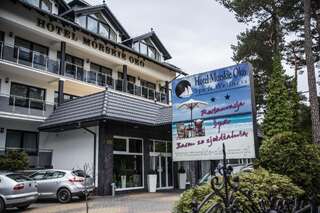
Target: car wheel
[(24, 207), (64, 195), (2, 206)]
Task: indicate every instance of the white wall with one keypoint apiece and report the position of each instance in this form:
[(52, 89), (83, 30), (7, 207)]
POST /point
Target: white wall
[(71, 149)]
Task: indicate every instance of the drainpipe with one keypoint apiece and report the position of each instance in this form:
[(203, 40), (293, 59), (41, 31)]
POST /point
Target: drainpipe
[(94, 152)]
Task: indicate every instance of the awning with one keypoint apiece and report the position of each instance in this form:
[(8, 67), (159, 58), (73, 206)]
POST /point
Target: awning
[(107, 105)]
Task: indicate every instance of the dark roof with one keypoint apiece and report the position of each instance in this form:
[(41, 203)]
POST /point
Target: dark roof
[(155, 39), (106, 11), (80, 3), (108, 105), (95, 35)]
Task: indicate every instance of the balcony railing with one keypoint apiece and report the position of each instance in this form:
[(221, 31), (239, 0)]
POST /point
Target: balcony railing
[(38, 158), (41, 62), (29, 103)]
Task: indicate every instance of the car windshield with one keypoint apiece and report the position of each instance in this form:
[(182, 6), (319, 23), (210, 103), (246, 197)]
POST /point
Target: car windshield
[(18, 177), (80, 173)]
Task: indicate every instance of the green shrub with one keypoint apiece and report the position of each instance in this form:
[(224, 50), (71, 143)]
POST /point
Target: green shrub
[(259, 183), (14, 160), (293, 155)]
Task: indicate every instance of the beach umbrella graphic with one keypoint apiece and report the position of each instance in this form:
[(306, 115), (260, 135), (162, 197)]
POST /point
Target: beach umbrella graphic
[(192, 104)]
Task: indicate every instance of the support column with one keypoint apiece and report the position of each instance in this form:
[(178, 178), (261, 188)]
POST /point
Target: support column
[(146, 160), (60, 92), (167, 91), (105, 159), (61, 72), (125, 78)]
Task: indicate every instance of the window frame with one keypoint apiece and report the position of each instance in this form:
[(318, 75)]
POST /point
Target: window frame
[(22, 132), (127, 152), (110, 31)]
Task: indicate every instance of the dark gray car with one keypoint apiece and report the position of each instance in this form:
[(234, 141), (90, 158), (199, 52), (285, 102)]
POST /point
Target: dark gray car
[(16, 190), (62, 184)]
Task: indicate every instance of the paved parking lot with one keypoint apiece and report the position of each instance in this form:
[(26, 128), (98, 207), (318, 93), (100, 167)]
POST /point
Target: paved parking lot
[(160, 202)]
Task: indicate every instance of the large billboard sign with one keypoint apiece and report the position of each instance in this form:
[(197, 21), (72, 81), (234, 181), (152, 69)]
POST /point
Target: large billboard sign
[(213, 108)]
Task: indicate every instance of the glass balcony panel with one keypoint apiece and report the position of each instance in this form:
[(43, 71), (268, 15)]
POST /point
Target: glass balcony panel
[(157, 95), (163, 98), (80, 73), (144, 92), (119, 85), (137, 90), (39, 61), (36, 104), (151, 94), (92, 77), (130, 88), (70, 70), (24, 56), (101, 79), (110, 82), (18, 101), (53, 66), (10, 53)]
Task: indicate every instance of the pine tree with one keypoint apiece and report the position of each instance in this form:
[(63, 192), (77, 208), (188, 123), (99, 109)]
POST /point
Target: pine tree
[(279, 113)]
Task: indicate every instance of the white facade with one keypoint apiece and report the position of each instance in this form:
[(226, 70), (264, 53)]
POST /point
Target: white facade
[(23, 80)]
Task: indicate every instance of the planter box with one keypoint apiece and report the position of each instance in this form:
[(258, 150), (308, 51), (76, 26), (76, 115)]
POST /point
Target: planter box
[(123, 181), (182, 178), (152, 183)]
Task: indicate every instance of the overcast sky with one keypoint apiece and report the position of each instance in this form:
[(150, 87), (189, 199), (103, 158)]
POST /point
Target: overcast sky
[(197, 33)]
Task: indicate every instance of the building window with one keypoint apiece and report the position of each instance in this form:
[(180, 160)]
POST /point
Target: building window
[(100, 75), (31, 53), (46, 5), (95, 24), (148, 89), (22, 140), (147, 49), (66, 97), (128, 162), (74, 67), (43, 4), (27, 96)]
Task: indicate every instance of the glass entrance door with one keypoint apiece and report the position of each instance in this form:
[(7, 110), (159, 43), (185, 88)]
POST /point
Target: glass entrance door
[(161, 163), (163, 167)]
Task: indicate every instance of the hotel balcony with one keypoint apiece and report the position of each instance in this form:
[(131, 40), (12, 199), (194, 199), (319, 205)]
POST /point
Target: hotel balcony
[(24, 108), (38, 158), (40, 62)]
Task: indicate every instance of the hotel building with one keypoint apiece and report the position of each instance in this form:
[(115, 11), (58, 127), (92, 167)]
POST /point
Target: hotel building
[(76, 89)]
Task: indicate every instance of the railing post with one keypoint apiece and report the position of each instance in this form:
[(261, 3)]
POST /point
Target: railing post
[(29, 106), (47, 61), (2, 49), (18, 53), (32, 59), (14, 104), (43, 107)]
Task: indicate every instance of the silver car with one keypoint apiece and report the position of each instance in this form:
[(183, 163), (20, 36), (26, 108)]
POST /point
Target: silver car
[(17, 190), (63, 184)]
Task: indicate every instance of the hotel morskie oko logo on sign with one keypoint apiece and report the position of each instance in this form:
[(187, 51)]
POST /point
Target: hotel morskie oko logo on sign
[(212, 108), (89, 42)]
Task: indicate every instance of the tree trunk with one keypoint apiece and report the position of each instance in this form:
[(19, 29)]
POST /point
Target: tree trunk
[(314, 104)]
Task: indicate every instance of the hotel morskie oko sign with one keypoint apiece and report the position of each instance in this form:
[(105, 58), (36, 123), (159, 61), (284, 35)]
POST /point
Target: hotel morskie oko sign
[(108, 49), (212, 108)]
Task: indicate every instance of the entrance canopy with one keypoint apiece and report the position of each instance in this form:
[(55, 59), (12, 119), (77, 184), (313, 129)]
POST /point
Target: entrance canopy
[(106, 105)]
